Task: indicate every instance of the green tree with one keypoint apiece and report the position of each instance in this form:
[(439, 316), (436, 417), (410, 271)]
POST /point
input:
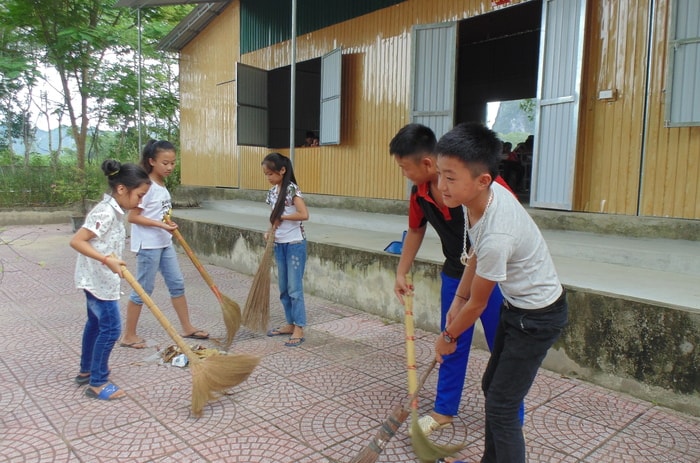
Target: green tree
[(92, 45)]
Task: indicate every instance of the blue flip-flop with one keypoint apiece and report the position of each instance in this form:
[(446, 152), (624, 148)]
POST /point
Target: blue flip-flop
[(294, 342), (277, 332), (105, 394)]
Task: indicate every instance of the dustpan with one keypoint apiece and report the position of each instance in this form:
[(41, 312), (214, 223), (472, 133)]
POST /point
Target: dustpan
[(395, 246)]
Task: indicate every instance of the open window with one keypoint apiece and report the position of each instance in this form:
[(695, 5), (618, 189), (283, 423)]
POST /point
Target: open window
[(683, 84), (264, 100)]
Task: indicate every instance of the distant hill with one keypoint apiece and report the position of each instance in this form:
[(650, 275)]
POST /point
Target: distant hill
[(41, 143)]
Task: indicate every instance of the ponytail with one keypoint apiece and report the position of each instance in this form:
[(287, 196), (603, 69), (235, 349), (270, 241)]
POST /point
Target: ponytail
[(275, 162)]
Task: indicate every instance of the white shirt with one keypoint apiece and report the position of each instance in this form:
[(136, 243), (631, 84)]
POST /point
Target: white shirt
[(154, 205), (512, 251), (289, 230), (106, 221)]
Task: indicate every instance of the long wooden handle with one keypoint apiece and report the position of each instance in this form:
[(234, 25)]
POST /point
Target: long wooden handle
[(169, 328), (410, 342), (195, 260), (414, 396)]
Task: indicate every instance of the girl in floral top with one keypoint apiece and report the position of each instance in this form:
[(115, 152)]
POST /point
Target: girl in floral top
[(100, 242), (288, 212)]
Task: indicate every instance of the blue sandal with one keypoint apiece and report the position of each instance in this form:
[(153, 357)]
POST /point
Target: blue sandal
[(106, 393)]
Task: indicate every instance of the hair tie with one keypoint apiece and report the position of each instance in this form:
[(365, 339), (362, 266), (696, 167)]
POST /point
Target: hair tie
[(113, 173)]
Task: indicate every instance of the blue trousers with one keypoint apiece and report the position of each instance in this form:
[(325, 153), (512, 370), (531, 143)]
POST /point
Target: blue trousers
[(453, 370), (101, 331), (291, 261), (522, 341)]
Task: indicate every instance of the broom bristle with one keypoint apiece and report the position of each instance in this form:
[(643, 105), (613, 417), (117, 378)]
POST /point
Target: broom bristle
[(232, 319), (425, 450), (256, 314), (216, 374)]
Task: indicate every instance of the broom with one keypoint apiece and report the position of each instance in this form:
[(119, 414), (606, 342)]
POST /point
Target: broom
[(229, 308), (256, 314), (389, 427), (425, 450), (209, 376)]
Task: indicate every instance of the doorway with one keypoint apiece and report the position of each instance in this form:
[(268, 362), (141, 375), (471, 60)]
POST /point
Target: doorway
[(497, 71)]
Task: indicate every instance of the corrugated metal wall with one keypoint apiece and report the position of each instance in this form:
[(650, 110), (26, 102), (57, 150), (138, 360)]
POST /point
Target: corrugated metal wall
[(266, 22), (208, 105), (671, 166), (610, 151), (375, 101), (624, 164), (616, 143)]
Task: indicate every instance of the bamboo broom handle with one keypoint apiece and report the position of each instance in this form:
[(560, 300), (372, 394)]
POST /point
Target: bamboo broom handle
[(169, 328), (410, 341), (193, 257)]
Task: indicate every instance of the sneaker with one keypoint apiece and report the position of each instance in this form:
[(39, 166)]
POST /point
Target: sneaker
[(428, 425)]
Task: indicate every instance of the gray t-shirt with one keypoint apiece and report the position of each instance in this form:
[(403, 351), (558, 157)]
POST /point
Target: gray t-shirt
[(512, 252)]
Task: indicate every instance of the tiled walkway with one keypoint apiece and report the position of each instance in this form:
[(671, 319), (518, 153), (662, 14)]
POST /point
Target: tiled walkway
[(321, 402)]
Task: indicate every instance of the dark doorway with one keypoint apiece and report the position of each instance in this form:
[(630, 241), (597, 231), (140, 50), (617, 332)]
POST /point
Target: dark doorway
[(497, 58), (497, 62)]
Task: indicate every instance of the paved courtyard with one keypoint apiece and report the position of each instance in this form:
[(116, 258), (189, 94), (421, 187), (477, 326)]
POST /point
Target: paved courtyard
[(321, 402)]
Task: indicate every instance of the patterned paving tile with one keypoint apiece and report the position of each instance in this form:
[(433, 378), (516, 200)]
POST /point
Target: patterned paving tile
[(259, 444), (546, 387), (668, 429), (627, 448), (609, 409), (293, 361), (187, 455), (332, 380), (27, 444), (546, 427), (321, 402), (381, 365), (145, 440)]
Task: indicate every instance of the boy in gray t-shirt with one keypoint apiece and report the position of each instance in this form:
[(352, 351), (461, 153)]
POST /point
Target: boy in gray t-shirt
[(509, 250)]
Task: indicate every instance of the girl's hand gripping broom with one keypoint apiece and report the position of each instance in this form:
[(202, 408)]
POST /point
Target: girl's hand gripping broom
[(389, 427), (212, 375), (256, 313), (425, 450), (229, 308)]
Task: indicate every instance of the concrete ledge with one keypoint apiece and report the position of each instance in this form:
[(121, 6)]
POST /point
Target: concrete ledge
[(38, 216), (652, 352), (611, 224)]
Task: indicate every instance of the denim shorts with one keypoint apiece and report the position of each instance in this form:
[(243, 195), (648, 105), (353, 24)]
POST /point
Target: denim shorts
[(149, 262)]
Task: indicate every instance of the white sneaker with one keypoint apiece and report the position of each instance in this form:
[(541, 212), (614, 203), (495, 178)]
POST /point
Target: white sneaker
[(428, 425)]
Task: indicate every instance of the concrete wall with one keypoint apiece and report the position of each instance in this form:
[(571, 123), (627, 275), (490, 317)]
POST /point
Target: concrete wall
[(648, 351)]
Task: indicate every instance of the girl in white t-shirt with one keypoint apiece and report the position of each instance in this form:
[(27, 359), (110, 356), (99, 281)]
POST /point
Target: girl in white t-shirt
[(100, 242), (288, 211), (151, 240)]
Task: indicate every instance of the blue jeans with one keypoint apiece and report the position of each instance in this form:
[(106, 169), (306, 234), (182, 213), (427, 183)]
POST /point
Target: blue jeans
[(291, 261), (149, 261), (522, 341), (453, 369), (102, 329)]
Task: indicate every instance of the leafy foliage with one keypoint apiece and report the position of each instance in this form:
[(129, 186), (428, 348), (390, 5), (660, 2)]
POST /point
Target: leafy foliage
[(93, 48)]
